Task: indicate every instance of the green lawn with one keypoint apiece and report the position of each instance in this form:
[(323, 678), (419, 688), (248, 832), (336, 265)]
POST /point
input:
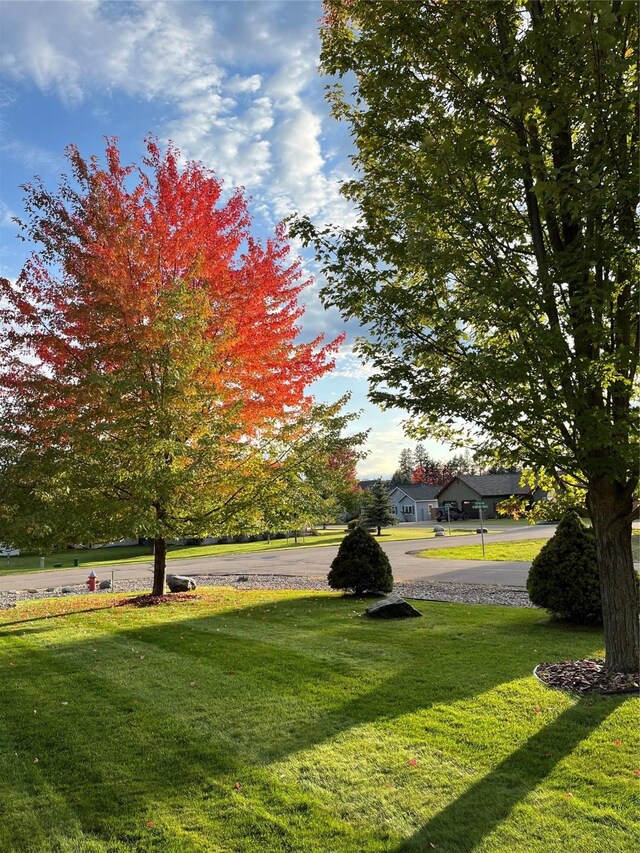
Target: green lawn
[(139, 554), (264, 721), (525, 549)]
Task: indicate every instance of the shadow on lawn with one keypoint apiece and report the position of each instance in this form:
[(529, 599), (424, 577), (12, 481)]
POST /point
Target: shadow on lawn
[(464, 823), (218, 696)]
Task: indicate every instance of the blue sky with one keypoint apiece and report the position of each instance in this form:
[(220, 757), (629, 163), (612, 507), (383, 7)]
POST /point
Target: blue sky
[(234, 84)]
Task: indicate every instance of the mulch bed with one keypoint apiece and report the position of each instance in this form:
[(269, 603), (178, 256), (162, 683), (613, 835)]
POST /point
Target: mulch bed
[(586, 676), (153, 600)]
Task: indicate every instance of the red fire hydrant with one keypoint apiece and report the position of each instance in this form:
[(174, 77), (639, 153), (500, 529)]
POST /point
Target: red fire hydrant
[(91, 581)]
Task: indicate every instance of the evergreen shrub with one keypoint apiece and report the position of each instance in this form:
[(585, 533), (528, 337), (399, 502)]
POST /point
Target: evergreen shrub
[(564, 576), (360, 565)]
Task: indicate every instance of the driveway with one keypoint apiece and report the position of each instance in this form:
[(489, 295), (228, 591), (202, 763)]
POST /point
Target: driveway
[(315, 562)]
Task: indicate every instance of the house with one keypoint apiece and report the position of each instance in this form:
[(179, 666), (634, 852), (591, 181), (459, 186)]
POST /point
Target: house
[(465, 490), (413, 502), (8, 551)]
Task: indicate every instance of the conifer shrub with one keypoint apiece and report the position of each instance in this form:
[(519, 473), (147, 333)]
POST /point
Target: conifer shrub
[(360, 565), (564, 576)]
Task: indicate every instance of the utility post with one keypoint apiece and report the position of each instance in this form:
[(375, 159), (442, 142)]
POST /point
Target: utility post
[(480, 505)]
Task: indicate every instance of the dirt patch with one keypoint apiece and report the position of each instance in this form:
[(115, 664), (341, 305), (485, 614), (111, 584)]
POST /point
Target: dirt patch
[(153, 600), (586, 676)]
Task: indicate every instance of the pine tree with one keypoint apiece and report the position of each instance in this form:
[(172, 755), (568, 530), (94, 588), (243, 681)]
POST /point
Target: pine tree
[(377, 510), (360, 565)]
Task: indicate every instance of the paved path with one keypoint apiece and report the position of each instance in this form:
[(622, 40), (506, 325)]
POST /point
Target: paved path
[(315, 561)]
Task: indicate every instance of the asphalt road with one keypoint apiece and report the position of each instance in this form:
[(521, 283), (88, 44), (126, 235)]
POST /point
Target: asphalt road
[(315, 562)]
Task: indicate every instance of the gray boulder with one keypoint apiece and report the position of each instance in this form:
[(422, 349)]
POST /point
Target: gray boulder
[(392, 607), (180, 583), (481, 530), (440, 533), (66, 589), (438, 528), (104, 585)]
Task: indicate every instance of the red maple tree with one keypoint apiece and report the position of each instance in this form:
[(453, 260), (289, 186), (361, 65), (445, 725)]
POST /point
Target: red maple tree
[(150, 348)]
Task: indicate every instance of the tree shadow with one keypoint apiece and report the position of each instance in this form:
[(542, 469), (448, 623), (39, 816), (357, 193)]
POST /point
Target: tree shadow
[(465, 822)]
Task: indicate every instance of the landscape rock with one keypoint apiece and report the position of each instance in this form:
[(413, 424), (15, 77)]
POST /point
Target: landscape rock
[(104, 585), (66, 589), (437, 528), (180, 583), (481, 530), (242, 579), (440, 533), (392, 607)]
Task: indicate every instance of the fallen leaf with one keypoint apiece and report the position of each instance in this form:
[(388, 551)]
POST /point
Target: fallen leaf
[(568, 795), (141, 657), (237, 786), (389, 785), (149, 823), (412, 762), (636, 772), (230, 672), (433, 846), (547, 754), (538, 710), (35, 760), (618, 742), (193, 683)]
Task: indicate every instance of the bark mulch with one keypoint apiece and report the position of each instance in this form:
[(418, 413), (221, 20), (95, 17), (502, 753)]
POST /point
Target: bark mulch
[(152, 600), (586, 676)]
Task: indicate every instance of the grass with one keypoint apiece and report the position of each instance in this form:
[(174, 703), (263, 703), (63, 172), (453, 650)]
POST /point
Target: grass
[(140, 554), (274, 721), (525, 550)]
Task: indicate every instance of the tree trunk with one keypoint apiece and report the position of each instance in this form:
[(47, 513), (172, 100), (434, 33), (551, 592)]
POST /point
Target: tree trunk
[(159, 565), (610, 511)]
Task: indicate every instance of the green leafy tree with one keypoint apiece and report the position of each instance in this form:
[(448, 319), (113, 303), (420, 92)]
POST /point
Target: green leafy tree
[(360, 565), (313, 470), (564, 576), (376, 509), (496, 254)]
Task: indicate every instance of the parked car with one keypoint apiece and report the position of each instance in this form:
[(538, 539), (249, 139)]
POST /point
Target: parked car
[(444, 513)]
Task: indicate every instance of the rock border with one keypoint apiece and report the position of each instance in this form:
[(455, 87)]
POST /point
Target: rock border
[(453, 593)]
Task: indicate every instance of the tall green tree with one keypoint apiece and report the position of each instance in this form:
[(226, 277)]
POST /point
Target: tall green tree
[(376, 509), (406, 465), (497, 246)]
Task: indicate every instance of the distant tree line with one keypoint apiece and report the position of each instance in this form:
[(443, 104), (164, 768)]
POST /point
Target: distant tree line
[(417, 466)]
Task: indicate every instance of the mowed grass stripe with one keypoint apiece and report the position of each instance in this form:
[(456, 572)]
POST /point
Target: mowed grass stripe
[(318, 715)]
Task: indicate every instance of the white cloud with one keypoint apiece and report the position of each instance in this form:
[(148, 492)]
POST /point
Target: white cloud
[(238, 79), (238, 84), (349, 365)]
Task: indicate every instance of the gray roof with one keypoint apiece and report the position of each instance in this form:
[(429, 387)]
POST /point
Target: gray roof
[(492, 485), (418, 491)]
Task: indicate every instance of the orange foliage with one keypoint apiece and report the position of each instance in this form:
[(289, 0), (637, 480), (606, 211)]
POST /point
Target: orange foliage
[(127, 253)]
